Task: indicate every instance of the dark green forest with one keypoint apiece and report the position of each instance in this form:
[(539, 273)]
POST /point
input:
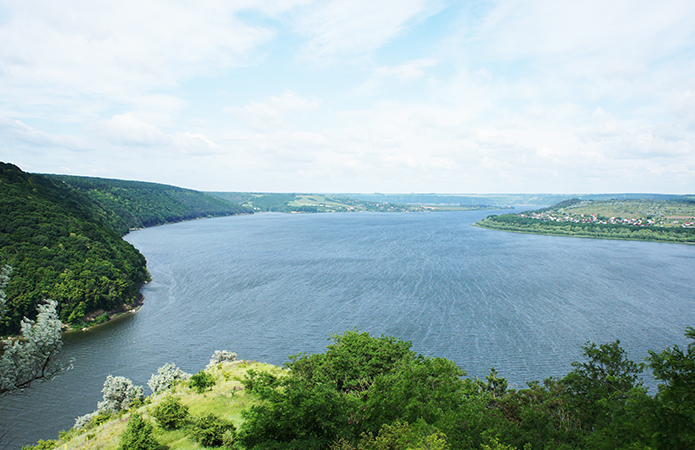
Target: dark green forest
[(513, 222), (368, 393), (62, 237), (130, 205)]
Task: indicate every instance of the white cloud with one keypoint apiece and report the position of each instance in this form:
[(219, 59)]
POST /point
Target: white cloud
[(355, 27), (15, 132), (404, 73), (73, 52), (545, 28), (273, 111), (128, 130), (499, 96), (484, 73)]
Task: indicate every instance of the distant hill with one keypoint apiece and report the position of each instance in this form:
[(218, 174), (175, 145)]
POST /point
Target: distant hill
[(128, 205), (498, 199), (313, 203)]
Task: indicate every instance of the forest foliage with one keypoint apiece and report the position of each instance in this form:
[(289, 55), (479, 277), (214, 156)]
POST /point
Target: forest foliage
[(52, 237), (128, 205), (62, 237), (376, 393)]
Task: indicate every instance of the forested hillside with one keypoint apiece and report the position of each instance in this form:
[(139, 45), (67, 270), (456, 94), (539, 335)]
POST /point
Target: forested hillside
[(129, 205), (53, 238)]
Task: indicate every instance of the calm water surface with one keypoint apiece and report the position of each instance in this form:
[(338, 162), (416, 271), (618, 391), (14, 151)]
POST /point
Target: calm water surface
[(271, 285)]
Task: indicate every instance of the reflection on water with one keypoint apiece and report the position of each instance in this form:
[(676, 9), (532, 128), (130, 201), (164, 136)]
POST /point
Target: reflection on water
[(270, 285)]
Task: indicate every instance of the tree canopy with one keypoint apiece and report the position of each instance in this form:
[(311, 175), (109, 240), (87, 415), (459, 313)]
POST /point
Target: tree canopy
[(368, 393)]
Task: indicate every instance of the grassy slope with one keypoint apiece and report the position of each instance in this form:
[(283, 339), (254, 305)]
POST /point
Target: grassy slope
[(226, 399)]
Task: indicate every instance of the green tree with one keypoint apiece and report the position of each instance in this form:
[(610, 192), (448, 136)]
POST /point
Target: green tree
[(171, 414), (606, 379), (138, 435), (295, 413), (675, 411), (352, 361), (403, 436), (213, 431), (360, 384), (201, 382)]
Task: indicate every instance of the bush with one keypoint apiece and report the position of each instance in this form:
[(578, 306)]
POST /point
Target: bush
[(221, 356), (42, 445), (138, 435), (201, 381), (165, 378), (119, 394), (213, 431), (85, 420), (170, 413)]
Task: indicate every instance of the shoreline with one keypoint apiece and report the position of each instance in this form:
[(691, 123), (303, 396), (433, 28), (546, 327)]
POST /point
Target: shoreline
[(124, 310), (541, 233)]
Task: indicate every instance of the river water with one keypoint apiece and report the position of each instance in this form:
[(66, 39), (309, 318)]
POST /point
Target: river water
[(271, 285)]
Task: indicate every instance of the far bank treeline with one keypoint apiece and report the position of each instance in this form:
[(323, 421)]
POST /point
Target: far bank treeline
[(62, 237)]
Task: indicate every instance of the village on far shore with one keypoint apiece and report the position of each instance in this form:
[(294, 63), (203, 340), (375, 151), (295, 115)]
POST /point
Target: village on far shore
[(647, 213)]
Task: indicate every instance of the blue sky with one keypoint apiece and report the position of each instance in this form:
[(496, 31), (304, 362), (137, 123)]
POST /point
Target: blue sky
[(501, 96)]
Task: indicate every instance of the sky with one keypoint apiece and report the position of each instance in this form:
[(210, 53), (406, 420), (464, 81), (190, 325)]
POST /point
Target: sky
[(354, 96)]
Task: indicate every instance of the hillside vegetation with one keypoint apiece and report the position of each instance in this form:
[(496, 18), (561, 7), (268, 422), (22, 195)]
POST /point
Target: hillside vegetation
[(367, 393), (54, 240), (62, 237), (636, 219), (130, 205)]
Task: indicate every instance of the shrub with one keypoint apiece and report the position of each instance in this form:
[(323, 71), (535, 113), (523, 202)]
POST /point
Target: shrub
[(201, 381), (170, 413), (85, 420), (119, 394), (42, 445), (213, 431), (165, 378), (138, 435), (221, 356)]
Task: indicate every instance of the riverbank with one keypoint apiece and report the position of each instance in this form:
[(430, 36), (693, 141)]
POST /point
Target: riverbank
[(101, 317), (633, 220), (518, 224)]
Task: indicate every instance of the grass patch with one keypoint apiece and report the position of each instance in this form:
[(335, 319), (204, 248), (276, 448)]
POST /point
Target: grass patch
[(226, 399)]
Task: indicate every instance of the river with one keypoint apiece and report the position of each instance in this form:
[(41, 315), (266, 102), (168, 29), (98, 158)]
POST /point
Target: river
[(271, 285)]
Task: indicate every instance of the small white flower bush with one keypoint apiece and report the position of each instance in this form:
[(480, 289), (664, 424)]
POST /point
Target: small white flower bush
[(221, 356), (165, 378), (119, 393)]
